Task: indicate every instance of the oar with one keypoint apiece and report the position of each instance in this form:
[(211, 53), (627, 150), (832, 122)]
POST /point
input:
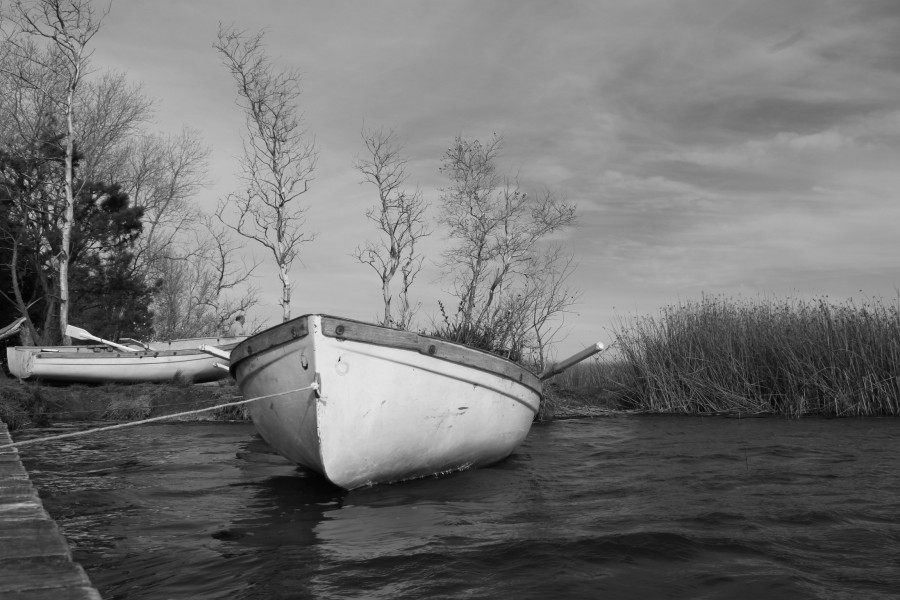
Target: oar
[(214, 351), (218, 352), (558, 367), (12, 329), (81, 334), (134, 341)]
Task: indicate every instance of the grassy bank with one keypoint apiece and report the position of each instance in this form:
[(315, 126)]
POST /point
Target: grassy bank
[(36, 405), (789, 357)]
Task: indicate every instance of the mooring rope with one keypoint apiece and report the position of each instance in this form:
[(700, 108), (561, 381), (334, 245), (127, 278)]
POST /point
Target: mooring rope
[(53, 438)]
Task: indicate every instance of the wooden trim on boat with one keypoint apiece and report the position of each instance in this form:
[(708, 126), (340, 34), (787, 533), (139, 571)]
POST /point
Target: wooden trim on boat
[(95, 352), (357, 331), (280, 334), (113, 353)]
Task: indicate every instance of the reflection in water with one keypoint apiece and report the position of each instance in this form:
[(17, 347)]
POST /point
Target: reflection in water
[(627, 507)]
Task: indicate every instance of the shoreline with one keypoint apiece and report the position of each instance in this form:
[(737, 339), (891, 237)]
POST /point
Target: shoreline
[(29, 405), (26, 405)]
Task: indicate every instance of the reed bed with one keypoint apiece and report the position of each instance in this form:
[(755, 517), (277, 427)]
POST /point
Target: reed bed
[(794, 357), (589, 388)]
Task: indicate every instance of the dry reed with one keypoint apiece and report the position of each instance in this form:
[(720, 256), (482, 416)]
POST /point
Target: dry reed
[(793, 357)]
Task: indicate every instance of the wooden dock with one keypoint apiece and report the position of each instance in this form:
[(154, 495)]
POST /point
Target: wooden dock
[(35, 560)]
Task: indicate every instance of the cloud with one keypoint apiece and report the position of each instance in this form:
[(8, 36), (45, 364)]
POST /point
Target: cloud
[(709, 145)]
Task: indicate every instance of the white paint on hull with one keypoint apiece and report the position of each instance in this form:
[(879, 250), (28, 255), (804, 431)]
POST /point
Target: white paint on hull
[(164, 361), (383, 413)]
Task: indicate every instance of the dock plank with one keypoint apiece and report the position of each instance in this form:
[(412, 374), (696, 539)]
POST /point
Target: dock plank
[(35, 559)]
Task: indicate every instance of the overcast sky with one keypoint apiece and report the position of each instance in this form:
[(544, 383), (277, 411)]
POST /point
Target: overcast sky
[(747, 148)]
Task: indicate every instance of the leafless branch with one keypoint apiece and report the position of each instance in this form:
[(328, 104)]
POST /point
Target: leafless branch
[(399, 216), (496, 231), (279, 156)]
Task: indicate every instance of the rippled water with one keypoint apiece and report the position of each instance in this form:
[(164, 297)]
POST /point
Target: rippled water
[(619, 507)]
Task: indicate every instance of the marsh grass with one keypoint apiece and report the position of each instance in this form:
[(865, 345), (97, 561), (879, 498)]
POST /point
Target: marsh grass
[(136, 402), (793, 357), (129, 406), (36, 405), (586, 389), (15, 404)]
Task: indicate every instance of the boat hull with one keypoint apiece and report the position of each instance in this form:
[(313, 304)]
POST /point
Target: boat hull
[(164, 361), (390, 405)]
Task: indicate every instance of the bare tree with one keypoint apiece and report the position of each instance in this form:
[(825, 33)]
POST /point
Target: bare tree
[(112, 110), (161, 173), (25, 102), (67, 27), (31, 189), (200, 293), (278, 159), (548, 297), (109, 111), (496, 231), (399, 215)]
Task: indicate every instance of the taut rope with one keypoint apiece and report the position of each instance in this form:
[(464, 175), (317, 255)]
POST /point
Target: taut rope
[(52, 438)]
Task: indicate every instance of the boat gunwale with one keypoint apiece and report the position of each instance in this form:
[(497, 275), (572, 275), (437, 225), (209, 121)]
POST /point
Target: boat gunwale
[(100, 352), (358, 331), (120, 354)]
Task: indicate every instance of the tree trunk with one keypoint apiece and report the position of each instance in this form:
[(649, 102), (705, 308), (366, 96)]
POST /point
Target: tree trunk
[(69, 217), (285, 292), (28, 333), (386, 294)]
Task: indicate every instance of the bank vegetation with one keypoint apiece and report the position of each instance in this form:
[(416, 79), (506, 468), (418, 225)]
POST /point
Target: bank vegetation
[(749, 357), (33, 404), (713, 356)]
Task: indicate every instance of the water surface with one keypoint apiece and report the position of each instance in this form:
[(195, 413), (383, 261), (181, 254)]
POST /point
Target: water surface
[(617, 507)]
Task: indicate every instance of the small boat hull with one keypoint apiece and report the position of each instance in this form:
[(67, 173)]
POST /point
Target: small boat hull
[(390, 405), (162, 362)]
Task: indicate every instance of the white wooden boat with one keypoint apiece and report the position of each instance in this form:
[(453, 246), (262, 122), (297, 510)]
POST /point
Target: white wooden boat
[(363, 404), (102, 363)]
